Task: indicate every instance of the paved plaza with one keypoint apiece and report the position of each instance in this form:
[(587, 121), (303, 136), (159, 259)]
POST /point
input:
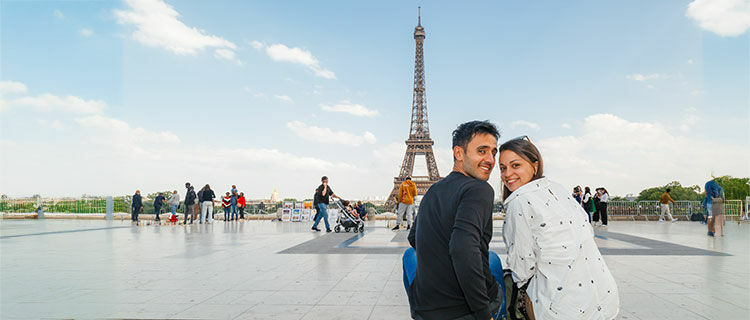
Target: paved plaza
[(282, 270)]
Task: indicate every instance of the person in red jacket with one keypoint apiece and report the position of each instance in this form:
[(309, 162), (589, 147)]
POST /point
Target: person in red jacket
[(241, 203)]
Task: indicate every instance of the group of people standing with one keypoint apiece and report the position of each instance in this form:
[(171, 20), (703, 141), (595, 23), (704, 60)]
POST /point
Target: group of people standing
[(556, 269), (234, 202), (595, 205)]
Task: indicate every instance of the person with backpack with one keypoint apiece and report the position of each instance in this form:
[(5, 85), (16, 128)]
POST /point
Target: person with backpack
[(190, 199), (557, 269)]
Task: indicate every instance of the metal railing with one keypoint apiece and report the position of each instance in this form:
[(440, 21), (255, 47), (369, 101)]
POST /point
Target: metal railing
[(682, 207)]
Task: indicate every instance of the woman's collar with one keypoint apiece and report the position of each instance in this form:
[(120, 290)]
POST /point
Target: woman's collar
[(529, 187)]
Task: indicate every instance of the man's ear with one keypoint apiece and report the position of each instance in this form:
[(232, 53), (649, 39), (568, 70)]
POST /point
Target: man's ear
[(458, 153)]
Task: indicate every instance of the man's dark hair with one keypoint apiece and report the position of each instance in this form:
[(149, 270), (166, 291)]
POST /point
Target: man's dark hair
[(668, 189), (463, 134), (187, 184), (408, 178), (323, 178)]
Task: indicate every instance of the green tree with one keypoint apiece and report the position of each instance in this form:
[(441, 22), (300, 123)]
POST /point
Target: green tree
[(734, 188), (678, 192)]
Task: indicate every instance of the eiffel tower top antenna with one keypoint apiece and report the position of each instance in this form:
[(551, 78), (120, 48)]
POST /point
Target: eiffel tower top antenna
[(419, 16)]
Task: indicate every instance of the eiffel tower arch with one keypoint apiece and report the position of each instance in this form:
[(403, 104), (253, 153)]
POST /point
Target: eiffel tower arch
[(419, 142)]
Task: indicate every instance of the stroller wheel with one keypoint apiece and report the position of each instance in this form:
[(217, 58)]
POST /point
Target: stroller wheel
[(356, 229), (346, 229), (361, 228), (337, 229)]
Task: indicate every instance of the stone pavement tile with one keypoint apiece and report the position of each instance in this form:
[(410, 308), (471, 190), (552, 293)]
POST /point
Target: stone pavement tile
[(265, 311), (212, 311), (359, 285), (239, 297), (650, 306), (393, 298), (710, 307), (390, 313), (310, 284), (162, 310), (338, 312), (336, 298), (295, 297)]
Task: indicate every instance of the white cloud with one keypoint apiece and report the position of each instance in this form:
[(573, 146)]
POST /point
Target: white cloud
[(48, 102), (522, 123), (58, 14), (326, 135), (118, 131), (350, 108), (627, 157), (641, 77), (157, 25), (726, 18), (283, 98), (690, 61), (257, 44), (11, 87), (689, 119), (227, 54), (86, 32), (566, 125), (650, 86), (281, 53)]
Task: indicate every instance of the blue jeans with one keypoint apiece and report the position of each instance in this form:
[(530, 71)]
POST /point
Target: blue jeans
[(226, 214), (235, 212), (409, 261), (322, 215), (174, 208)]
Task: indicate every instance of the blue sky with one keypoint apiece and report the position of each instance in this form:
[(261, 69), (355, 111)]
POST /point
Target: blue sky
[(107, 97)]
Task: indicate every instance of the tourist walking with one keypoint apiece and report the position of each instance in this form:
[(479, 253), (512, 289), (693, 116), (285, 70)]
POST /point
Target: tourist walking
[(664, 201), (361, 211), (174, 203), (406, 193), (448, 272), (324, 192), (226, 203), (714, 202), (190, 199), (551, 249), (207, 205), (241, 203), (136, 206), (158, 202)]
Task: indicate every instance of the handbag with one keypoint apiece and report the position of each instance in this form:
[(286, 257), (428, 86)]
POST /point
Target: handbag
[(517, 302)]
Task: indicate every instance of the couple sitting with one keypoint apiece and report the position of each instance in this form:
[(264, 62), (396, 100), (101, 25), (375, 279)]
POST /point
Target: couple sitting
[(450, 273)]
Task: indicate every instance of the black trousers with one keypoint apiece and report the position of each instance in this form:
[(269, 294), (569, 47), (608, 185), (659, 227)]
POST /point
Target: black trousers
[(157, 211), (242, 212), (134, 214), (603, 212)]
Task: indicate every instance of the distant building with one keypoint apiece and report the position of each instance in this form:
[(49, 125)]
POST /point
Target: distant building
[(274, 196)]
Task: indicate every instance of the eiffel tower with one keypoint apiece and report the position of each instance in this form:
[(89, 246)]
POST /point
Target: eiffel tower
[(419, 142)]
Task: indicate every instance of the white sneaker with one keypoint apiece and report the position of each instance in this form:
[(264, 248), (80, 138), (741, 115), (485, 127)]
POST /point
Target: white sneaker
[(674, 219), (661, 220)]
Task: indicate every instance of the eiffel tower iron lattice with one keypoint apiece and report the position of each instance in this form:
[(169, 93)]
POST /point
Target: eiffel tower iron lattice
[(419, 142)]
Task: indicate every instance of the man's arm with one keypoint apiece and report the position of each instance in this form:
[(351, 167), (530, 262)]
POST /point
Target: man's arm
[(474, 209)]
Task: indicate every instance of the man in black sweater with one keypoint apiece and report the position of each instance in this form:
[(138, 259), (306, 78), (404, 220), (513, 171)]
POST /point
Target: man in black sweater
[(452, 232)]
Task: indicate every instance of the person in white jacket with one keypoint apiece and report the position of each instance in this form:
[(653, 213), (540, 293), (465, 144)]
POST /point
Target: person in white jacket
[(551, 243), (174, 202)]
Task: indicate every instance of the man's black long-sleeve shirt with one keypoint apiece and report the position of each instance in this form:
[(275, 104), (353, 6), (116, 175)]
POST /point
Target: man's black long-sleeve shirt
[(451, 237)]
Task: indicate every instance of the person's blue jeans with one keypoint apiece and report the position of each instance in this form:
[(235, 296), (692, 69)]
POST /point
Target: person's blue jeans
[(173, 207), (235, 212), (322, 215), (409, 263), (226, 214)]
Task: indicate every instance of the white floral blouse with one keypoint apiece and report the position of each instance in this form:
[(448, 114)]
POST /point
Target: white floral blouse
[(551, 242)]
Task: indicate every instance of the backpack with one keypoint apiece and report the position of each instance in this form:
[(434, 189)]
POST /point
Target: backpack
[(517, 302)]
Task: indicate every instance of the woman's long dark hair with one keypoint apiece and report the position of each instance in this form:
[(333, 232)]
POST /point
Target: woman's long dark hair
[(526, 150)]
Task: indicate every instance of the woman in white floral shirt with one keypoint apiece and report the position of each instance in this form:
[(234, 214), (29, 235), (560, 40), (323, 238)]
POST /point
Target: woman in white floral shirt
[(551, 243)]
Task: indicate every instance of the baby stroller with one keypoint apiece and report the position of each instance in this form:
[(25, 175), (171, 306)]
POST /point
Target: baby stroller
[(346, 219)]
